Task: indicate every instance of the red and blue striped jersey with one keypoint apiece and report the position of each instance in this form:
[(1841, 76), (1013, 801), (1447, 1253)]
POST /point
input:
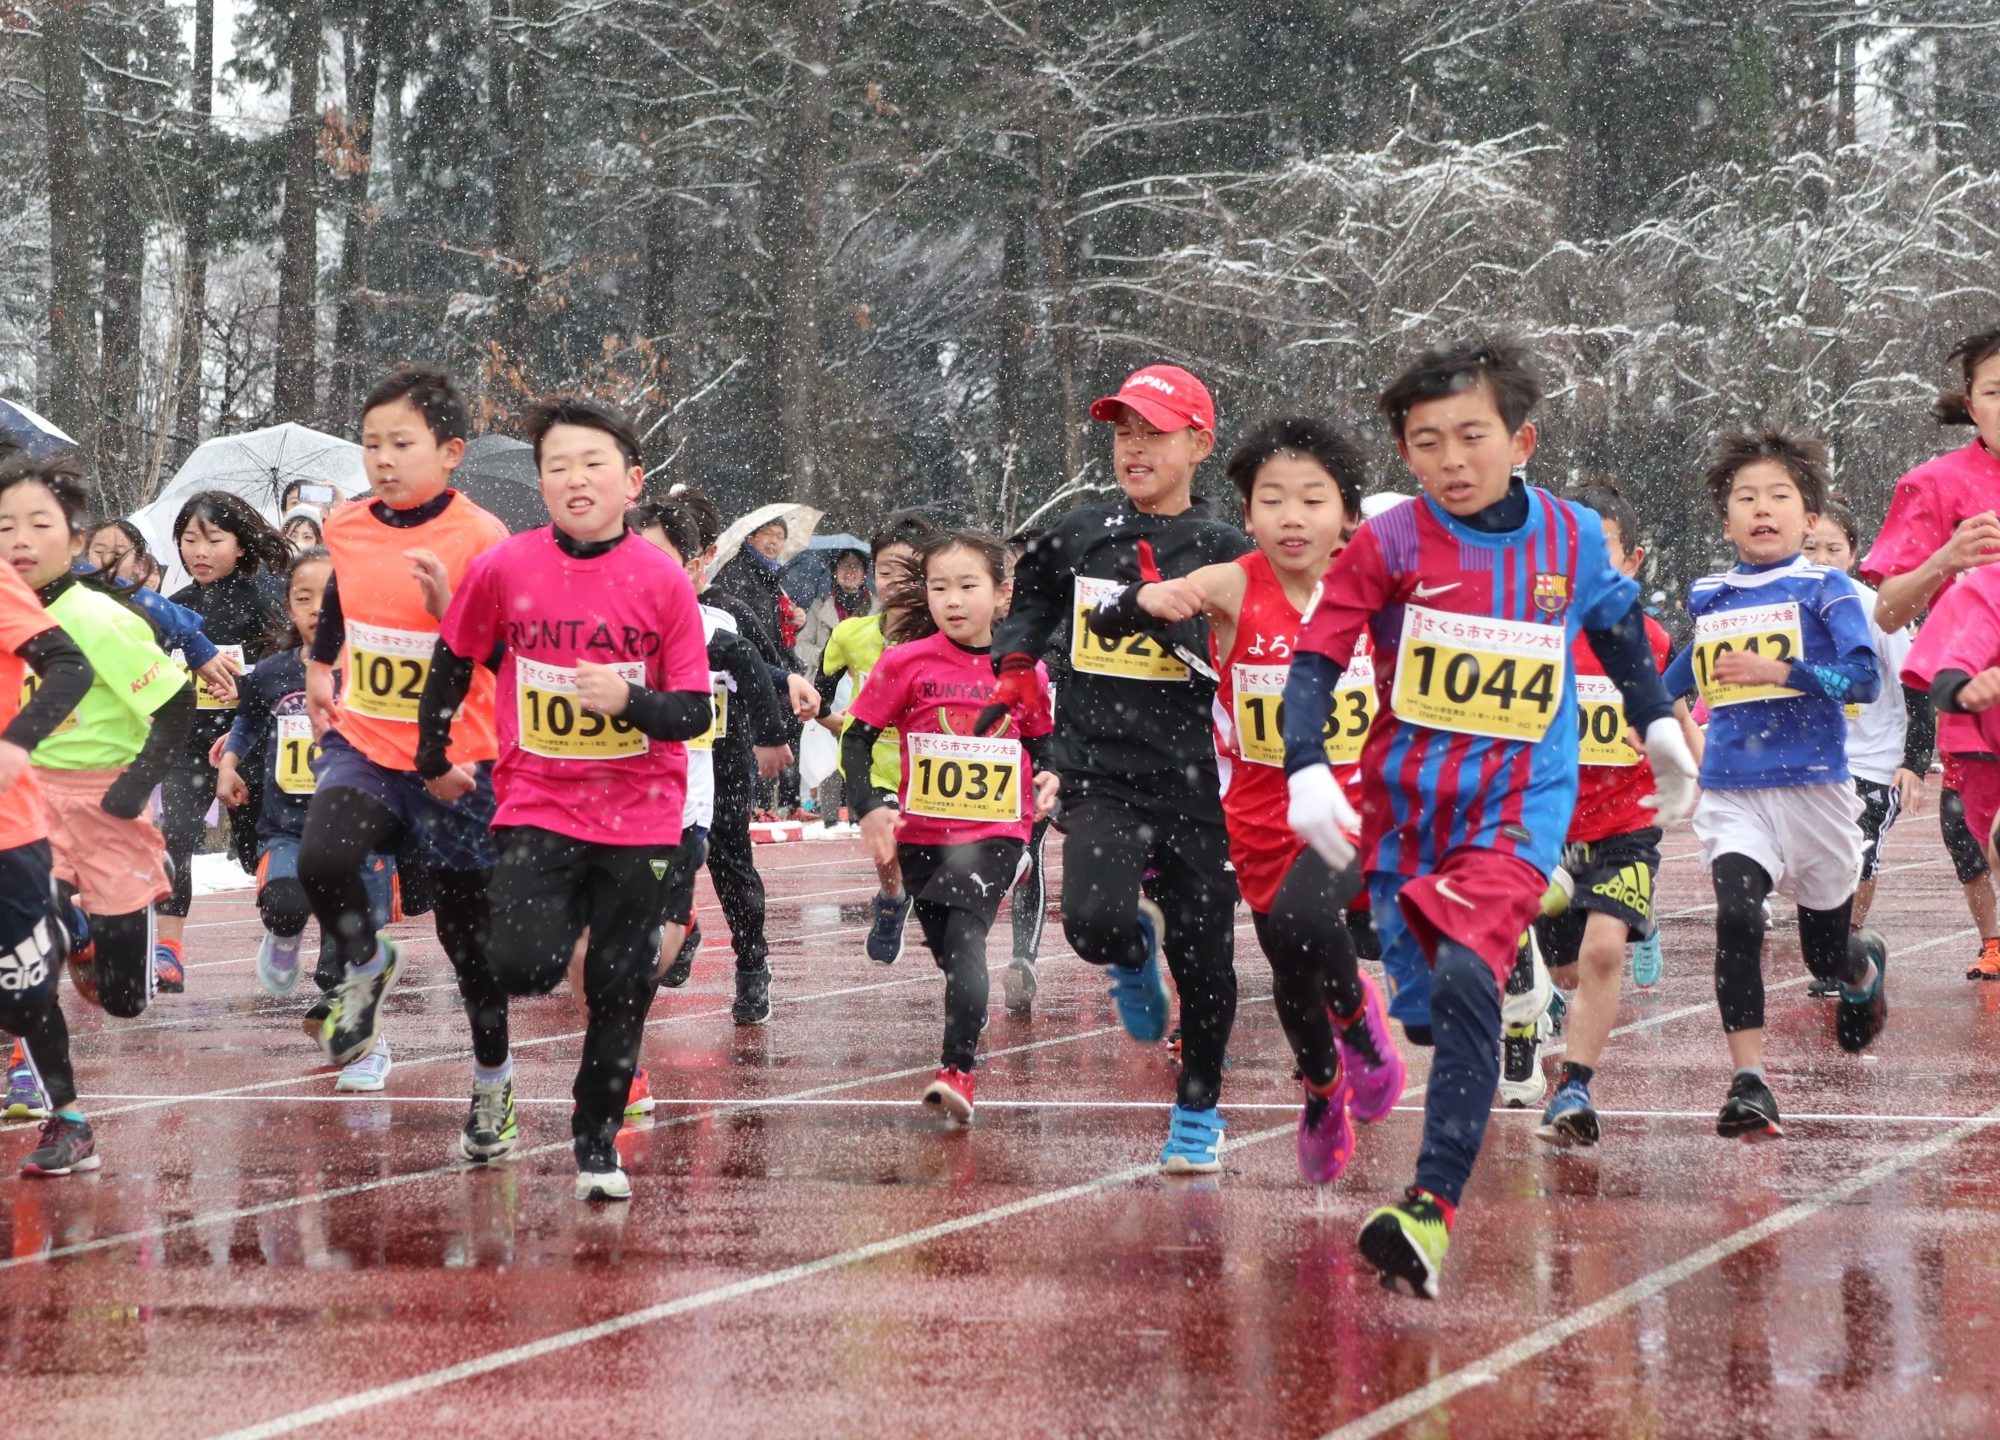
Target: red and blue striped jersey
[(1475, 740)]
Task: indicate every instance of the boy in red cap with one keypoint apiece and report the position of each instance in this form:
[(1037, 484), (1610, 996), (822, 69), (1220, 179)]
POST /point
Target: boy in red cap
[(1132, 742)]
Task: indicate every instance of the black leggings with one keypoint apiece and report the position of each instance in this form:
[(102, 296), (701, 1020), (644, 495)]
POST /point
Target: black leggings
[(343, 828), (546, 889), (284, 907), (1313, 965), (1831, 951), (185, 796), (1968, 856), (1107, 845), (121, 957), (957, 938), (1031, 898), (732, 864)]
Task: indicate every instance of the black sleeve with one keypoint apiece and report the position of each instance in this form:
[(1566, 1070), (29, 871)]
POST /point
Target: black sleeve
[(444, 692), (1040, 603), (172, 723), (857, 750), (1119, 615), (1041, 750), (669, 714), (65, 677), (1628, 663), (1921, 739), (1945, 686), (828, 687), (332, 632)]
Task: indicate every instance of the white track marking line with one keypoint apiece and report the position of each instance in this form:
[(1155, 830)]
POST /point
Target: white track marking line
[(1778, 903), (1489, 1367)]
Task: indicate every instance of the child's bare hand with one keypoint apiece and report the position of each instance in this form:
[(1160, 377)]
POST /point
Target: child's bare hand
[(1981, 692), (1740, 667), (230, 789), (1173, 600), (772, 760), (878, 833), (1047, 784), (432, 579), (1975, 542), (602, 689), (454, 784)]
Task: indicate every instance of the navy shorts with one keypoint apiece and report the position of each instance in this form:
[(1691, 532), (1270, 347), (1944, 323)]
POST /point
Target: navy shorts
[(458, 836), (32, 940)]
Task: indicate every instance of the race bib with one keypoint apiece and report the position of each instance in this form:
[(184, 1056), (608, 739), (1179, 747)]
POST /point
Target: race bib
[(1476, 676), (1852, 712), (554, 724), (1771, 631), (386, 671), (1354, 703), (32, 682), (964, 777), (1136, 657), (718, 725), (1258, 690), (202, 699), (296, 754), (1600, 724)]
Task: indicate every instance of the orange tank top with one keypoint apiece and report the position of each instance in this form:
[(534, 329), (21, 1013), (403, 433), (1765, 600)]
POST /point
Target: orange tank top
[(390, 635)]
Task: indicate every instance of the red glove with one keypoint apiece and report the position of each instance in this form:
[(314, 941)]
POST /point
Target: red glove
[(1011, 692)]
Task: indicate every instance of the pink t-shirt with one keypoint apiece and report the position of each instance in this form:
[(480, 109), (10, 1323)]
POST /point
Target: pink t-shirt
[(561, 769), (1963, 633), (958, 787), (1927, 507)]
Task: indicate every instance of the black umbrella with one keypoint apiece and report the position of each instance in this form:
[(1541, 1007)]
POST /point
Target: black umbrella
[(498, 475)]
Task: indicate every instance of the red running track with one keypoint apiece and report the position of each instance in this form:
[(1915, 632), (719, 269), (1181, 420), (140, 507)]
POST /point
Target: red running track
[(807, 1253)]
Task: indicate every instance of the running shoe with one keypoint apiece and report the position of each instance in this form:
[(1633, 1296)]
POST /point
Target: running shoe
[(1369, 1059), (316, 1013), (1570, 1118), (886, 935), (1019, 982), (1987, 966), (682, 965), (1821, 989), (1750, 1112), (1139, 992), (1194, 1142), (368, 1074), (639, 1099), (25, 1098), (490, 1127), (1646, 962), (278, 964), (1326, 1135), (1861, 1014), (753, 997), (1405, 1242), (66, 1146), (169, 975), (355, 1018), (600, 1177), (1522, 1083), (1562, 889), (950, 1092)]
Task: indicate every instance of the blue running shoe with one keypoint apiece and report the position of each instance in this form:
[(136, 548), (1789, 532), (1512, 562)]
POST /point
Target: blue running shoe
[(1570, 1119), (1194, 1142), (1141, 995), (1646, 962), (25, 1100), (885, 936)]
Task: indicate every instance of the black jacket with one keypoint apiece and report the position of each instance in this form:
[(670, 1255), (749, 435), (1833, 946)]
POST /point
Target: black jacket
[(233, 611), (746, 579)]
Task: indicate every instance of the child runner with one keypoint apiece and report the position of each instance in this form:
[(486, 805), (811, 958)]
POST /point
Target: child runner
[(396, 558), (959, 822), (271, 721), (32, 936), (1473, 594), (119, 550), (1133, 745), (223, 544), (1941, 524), (851, 652), (1611, 857), (1889, 739), (1957, 656), (1299, 480), (1780, 645), (603, 677)]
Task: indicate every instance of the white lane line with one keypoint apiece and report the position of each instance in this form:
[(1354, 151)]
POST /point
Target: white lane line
[(1777, 902), (1489, 1367)]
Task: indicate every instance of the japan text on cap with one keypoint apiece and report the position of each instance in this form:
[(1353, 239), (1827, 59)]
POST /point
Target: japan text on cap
[(1165, 395)]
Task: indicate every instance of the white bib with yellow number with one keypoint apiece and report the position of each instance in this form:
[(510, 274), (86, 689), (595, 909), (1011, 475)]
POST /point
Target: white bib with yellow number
[(1257, 692), (718, 725), (1770, 631), (1136, 657), (1600, 724), (386, 671), (296, 754), (964, 777), (553, 722), (1477, 676)]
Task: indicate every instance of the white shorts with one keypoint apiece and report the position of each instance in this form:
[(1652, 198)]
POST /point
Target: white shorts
[(1807, 837)]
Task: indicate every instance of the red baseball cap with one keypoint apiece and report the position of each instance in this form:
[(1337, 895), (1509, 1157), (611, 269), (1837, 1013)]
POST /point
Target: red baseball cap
[(1167, 396)]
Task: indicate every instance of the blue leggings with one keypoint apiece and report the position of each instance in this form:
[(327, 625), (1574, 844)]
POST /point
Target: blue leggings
[(1465, 1068)]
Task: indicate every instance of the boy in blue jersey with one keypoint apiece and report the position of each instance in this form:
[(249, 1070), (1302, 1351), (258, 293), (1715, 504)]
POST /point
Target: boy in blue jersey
[(1780, 646), (1472, 595)]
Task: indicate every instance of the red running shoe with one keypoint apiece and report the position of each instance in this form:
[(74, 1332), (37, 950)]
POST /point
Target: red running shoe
[(951, 1092)]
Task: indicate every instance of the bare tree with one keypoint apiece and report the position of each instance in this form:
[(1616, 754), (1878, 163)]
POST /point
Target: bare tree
[(296, 396)]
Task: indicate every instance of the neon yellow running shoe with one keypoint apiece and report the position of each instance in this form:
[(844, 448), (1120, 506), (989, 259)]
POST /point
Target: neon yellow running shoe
[(1406, 1243)]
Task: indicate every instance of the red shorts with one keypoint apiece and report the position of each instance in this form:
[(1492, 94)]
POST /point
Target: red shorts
[(1978, 778), (1482, 899)]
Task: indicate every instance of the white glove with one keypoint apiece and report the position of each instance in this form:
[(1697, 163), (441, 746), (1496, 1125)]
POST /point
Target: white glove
[(1320, 815), (723, 678), (1673, 771)]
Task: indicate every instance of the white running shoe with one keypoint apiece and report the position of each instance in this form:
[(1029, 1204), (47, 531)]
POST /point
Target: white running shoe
[(370, 1072), (1522, 1083), (278, 964), (612, 1184)]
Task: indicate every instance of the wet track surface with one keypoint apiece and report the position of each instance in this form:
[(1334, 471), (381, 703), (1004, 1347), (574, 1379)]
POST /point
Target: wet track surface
[(808, 1253)]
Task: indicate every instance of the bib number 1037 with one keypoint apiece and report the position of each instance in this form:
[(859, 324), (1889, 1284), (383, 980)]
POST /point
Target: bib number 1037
[(964, 777)]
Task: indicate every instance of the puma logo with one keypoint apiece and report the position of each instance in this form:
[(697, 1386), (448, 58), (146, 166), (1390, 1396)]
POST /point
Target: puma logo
[(985, 885)]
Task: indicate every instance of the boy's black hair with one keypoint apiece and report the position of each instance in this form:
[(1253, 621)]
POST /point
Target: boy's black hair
[(1954, 407), (545, 415), (434, 393), (1804, 459), (233, 515), (1504, 366), (60, 475), (707, 514), (675, 520), (1320, 441), (1603, 497), (905, 527), (1837, 510)]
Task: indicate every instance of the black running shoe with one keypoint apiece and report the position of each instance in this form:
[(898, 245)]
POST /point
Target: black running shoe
[(1859, 1018), (316, 1013), (676, 974), (66, 1147), (350, 1028), (1822, 989), (753, 997), (1750, 1112)]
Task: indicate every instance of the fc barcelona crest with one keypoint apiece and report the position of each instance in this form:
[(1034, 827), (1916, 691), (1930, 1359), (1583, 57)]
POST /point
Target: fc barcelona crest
[(1552, 594)]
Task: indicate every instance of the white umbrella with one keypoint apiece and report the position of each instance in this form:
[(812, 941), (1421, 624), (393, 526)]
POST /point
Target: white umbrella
[(800, 521)]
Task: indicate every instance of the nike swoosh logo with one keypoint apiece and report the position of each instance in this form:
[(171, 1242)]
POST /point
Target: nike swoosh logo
[(1424, 592), (1443, 887)]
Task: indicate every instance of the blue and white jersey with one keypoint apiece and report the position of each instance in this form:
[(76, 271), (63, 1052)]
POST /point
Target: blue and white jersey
[(1770, 736)]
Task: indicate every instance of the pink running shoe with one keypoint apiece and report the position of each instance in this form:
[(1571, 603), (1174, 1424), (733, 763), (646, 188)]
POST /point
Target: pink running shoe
[(1369, 1059), (1326, 1136)]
